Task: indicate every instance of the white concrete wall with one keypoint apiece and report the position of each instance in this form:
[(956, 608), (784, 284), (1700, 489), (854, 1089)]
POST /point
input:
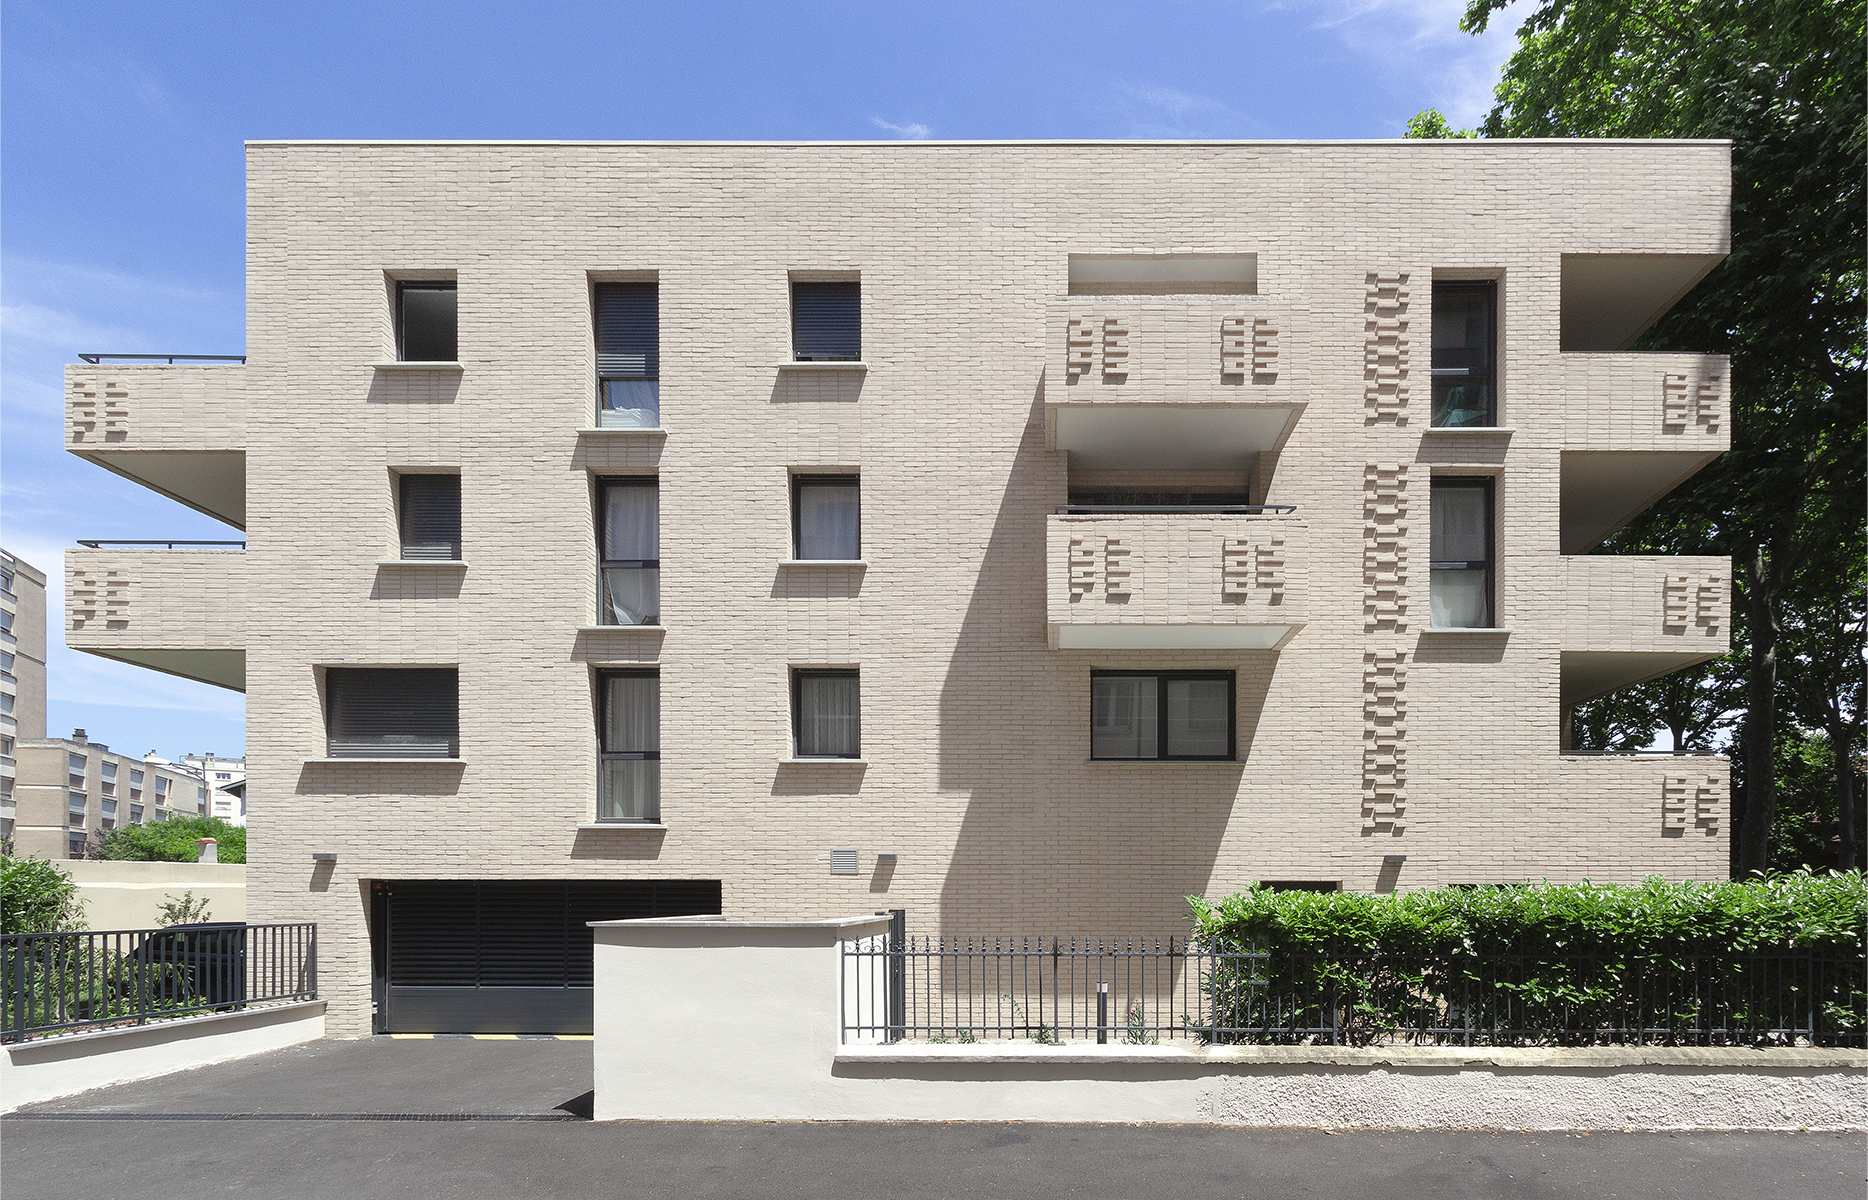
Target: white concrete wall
[(47, 1068), (719, 1020), (126, 895)]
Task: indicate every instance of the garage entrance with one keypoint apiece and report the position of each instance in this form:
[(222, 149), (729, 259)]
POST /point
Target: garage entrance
[(504, 956)]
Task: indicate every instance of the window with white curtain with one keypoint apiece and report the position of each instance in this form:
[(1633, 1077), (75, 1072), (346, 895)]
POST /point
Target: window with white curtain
[(1161, 715), (629, 543), (826, 713), (1460, 596), (826, 517), (630, 746)]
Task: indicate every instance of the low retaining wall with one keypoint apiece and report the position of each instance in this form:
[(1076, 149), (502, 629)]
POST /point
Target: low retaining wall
[(49, 1067), (709, 1019), (126, 895)]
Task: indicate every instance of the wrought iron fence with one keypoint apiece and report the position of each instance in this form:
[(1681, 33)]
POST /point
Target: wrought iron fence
[(1050, 990), (60, 981)]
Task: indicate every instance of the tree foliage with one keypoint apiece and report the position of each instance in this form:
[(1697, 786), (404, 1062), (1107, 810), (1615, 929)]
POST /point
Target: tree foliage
[(173, 840), (37, 897)]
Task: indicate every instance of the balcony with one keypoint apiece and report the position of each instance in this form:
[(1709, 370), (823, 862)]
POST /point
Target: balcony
[(176, 426), (1635, 427), (176, 607), (1629, 619), (1174, 383), (1683, 795), (1167, 580)]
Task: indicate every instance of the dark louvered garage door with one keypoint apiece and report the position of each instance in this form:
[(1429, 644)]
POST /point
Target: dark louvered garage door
[(507, 956)]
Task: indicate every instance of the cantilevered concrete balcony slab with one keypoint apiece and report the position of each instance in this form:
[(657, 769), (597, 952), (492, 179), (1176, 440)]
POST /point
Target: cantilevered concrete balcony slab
[(179, 611), (1630, 619), (1635, 427), (1173, 382), (176, 428), (1168, 581)]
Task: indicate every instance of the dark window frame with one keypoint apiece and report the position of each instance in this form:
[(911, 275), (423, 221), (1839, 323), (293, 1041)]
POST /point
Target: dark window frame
[(798, 343), (798, 676), (1490, 563), (602, 711), (404, 286), (1161, 715), (798, 484), (601, 517), (652, 360), (376, 749), (404, 542), (1489, 287)]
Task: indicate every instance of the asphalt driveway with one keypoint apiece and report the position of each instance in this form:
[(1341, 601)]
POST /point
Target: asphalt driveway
[(466, 1118)]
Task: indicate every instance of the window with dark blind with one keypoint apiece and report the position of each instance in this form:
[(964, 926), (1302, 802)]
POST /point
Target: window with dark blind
[(392, 712), (629, 359), (429, 512), (630, 745), (1162, 714), (1460, 594), (426, 322), (826, 517), (1464, 324), (629, 546), (827, 322), (826, 714)]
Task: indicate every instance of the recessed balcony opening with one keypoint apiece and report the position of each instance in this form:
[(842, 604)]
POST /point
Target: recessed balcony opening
[(1163, 274), (1609, 300), (1600, 491)]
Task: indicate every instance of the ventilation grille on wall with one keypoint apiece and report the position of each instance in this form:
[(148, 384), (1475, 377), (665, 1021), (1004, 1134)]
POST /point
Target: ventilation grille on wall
[(843, 862)]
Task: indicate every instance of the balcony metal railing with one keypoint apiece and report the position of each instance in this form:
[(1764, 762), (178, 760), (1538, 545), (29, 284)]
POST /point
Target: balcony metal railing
[(171, 359), (106, 544), (1279, 509), (1691, 753)]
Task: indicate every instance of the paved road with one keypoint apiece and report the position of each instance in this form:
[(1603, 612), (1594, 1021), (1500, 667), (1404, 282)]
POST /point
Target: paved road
[(319, 1121)]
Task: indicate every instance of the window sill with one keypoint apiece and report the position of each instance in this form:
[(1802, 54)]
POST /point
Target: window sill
[(823, 762), (650, 826), (621, 430), (1464, 429), (823, 562), (419, 762), (1162, 762), (417, 366), (622, 629), (420, 562), (823, 366), (1486, 629)]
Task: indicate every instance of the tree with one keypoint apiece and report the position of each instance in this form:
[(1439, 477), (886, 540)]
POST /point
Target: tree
[(186, 911), (37, 897), (1432, 123), (173, 840), (1783, 79)]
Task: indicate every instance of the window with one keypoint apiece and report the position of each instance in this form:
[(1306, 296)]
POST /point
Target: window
[(1463, 354), (6, 620), (428, 510), (6, 787), (392, 712), (6, 663), (630, 746), (826, 714), (110, 808), (136, 779), (223, 774), (826, 517), (76, 781), (1461, 594), (629, 355), (108, 787), (629, 540), (109, 769), (162, 785), (76, 819), (6, 702), (427, 322), (827, 322), (6, 582), (75, 763), (6, 829), (6, 747), (76, 801), (136, 814), (201, 794), (1161, 714), (74, 846)]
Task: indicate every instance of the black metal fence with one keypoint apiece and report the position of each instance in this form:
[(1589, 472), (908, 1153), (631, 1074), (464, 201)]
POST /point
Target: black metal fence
[(62, 981), (1142, 991)]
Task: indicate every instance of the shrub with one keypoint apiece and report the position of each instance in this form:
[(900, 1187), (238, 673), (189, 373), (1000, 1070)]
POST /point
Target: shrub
[(37, 897), (173, 840), (186, 911)]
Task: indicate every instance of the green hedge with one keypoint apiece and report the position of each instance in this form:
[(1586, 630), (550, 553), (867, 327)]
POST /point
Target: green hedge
[(1569, 963), (173, 840)]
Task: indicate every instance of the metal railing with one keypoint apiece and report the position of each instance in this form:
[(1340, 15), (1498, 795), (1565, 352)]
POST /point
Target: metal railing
[(167, 358), (51, 982), (1141, 991), (1688, 753), (101, 544), (1249, 509)]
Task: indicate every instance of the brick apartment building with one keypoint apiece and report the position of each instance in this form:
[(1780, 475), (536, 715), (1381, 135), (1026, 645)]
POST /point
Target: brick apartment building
[(1027, 535)]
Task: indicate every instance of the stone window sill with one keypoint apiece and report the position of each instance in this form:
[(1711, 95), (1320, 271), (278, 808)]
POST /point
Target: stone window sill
[(650, 826), (823, 562), (1487, 630), (417, 762), (421, 562), (621, 431), (823, 762), (418, 366), (622, 629), (1466, 429), (1162, 762), (823, 366)]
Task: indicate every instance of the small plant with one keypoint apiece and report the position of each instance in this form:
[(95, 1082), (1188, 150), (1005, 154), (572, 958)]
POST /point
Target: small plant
[(1042, 1035), (186, 911), (1137, 1022), (965, 1037)]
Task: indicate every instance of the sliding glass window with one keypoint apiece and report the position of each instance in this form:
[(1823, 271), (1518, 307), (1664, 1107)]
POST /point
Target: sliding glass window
[(1162, 715), (826, 517), (630, 746), (629, 541), (1461, 596), (826, 708), (1464, 354)]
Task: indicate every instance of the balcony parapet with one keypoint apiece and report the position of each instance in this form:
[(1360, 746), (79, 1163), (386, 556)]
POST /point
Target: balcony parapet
[(179, 611), (1689, 795), (176, 428), (1631, 618), (1674, 403), (1175, 580)]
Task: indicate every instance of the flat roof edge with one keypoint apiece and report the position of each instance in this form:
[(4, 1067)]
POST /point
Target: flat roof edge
[(1453, 143)]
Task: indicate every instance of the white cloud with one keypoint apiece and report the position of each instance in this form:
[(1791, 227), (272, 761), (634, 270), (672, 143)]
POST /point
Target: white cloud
[(1163, 112), (912, 132), (56, 327)]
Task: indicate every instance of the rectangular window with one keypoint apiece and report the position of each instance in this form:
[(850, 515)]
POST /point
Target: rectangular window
[(76, 781), (6, 662), (629, 355), (1464, 325), (428, 509), (827, 322), (201, 793), (6, 747), (427, 322), (162, 785), (826, 517), (136, 814), (826, 709), (630, 746), (107, 787), (74, 847), (629, 540), (76, 801), (1161, 715), (75, 763), (392, 712), (1461, 553), (6, 620), (136, 779), (6, 829), (110, 808), (109, 769), (76, 819)]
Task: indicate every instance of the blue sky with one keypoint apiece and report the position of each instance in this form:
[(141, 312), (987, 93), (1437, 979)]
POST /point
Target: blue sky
[(121, 175)]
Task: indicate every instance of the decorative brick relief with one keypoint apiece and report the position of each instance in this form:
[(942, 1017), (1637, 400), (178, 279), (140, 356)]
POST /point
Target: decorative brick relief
[(1686, 400), (98, 407), (1084, 552), (1264, 348), (98, 595), (1384, 738), (1235, 345), (1692, 799), (1080, 347), (1116, 333), (1095, 558), (1695, 602), (1270, 567), (1116, 554), (1385, 349), (1384, 547), (1235, 569)]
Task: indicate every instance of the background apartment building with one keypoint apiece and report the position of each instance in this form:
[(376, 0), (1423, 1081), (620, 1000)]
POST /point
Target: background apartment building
[(1025, 535), (72, 791), (22, 671)]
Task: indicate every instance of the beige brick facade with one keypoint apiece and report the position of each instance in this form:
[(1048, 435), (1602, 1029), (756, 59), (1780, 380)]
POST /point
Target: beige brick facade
[(991, 388)]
